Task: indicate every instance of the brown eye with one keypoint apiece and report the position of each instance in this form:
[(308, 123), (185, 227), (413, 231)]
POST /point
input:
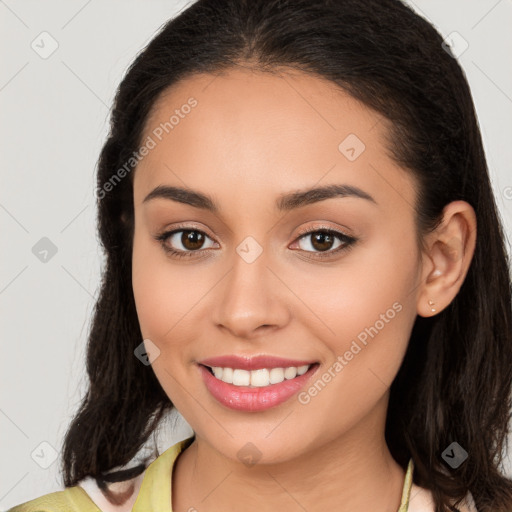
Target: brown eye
[(321, 241), (192, 240), (324, 242), (184, 242)]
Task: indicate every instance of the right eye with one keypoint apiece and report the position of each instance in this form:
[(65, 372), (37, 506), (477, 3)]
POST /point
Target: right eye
[(183, 242)]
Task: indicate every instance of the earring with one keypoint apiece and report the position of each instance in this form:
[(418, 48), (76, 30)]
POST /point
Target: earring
[(432, 303)]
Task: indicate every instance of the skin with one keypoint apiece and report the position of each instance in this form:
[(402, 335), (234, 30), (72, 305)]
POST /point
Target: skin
[(251, 138)]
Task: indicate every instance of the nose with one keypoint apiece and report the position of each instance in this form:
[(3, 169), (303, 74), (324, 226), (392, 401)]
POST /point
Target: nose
[(252, 301)]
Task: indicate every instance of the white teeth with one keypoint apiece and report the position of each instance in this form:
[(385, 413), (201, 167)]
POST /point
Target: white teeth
[(258, 378), (241, 378), (290, 372), (276, 375), (301, 370), (227, 375)]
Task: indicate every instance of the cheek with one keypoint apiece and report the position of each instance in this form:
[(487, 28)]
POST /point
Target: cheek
[(159, 295), (368, 306), (368, 282), (166, 294), (161, 304), (369, 309), (149, 290)]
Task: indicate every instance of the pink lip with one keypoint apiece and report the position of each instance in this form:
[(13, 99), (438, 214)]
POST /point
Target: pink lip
[(245, 398), (252, 363)]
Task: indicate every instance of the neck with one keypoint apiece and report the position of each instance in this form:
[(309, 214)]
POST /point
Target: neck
[(354, 471)]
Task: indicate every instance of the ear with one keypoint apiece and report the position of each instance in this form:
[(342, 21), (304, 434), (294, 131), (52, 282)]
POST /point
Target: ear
[(446, 258)]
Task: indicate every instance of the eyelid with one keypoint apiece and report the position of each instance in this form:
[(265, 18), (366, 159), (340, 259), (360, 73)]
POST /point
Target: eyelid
[(187, 227), (322, 227)]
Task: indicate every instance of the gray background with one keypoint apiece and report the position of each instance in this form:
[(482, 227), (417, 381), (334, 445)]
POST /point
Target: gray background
[(54, 121)]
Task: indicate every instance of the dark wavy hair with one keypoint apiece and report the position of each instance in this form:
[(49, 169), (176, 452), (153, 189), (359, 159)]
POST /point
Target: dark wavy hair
[(456, 378)]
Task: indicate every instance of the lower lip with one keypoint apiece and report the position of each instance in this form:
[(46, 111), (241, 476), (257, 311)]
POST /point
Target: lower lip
[(245, 398)]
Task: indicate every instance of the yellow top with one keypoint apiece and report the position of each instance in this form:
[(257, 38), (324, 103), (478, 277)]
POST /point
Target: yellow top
[(155, 491)]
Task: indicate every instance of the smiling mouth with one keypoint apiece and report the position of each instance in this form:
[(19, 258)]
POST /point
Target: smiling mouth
[(258, 378)]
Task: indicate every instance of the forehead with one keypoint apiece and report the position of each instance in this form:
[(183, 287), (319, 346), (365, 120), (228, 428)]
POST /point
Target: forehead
[(258, 135)]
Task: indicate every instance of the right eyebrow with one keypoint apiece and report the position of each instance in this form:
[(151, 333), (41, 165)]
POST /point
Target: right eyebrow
[(183, 195)]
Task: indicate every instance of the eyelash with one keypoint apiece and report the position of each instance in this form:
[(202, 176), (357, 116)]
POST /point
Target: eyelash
[(348, 241)]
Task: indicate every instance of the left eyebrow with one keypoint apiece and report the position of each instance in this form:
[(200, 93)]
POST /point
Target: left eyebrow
[(313, 195), (285, 202)]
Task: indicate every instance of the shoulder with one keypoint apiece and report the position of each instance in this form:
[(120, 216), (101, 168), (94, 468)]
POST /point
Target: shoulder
[(118, 492), (72, 499), (421, 500)]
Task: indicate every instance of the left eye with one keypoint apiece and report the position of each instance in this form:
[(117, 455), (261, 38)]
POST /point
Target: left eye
[(324, 241)]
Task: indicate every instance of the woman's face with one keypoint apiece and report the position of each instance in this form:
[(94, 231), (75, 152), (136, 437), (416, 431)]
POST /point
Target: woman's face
[(250, 283)]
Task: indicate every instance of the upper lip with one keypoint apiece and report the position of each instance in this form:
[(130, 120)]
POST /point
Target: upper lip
[(252, 363)]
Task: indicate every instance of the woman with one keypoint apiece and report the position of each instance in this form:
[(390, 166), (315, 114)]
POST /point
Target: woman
[(304, 258)]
